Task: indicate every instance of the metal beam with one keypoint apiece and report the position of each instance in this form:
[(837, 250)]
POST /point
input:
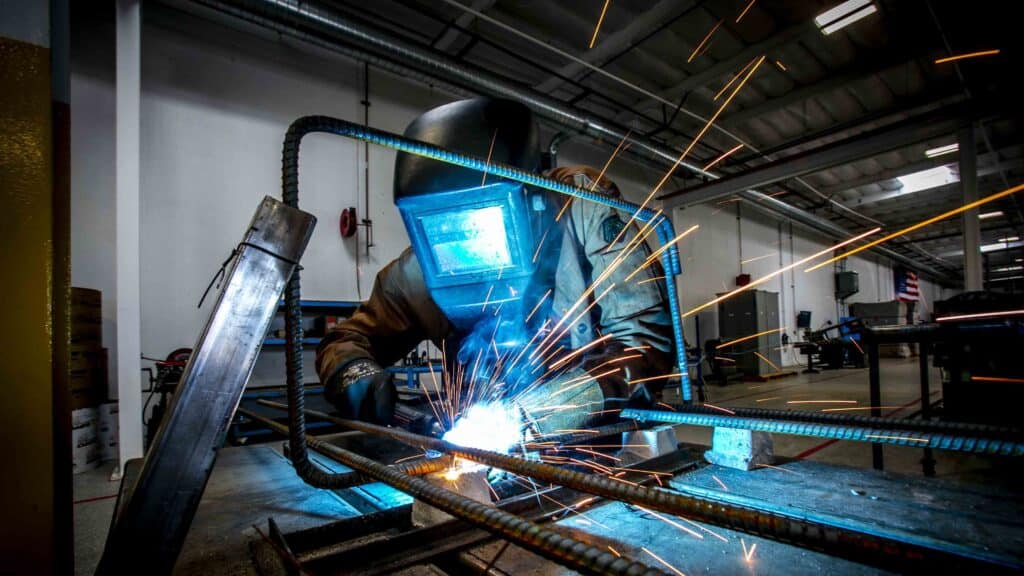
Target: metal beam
[(973, 277), (154, 521), (932, 124), (463, 20), (622, 39)]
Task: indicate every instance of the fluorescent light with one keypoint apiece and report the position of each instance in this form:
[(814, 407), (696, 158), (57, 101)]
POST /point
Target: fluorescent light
[(1018, 259), (1008, 268), (941, 150), (988, 215), (1005, 278), (1009, 239), (1000, 246), (927, 179), (843, 15)]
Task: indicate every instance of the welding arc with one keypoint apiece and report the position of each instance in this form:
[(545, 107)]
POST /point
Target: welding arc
[(793, 528), (882, 435), (566, 551)]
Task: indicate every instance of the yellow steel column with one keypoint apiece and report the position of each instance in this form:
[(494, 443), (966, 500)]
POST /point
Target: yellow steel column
[(33, 218)]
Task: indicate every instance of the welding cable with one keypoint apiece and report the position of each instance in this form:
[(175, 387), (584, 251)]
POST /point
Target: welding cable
[(875, 435), (910, 553), (863, 421), (564, 550)]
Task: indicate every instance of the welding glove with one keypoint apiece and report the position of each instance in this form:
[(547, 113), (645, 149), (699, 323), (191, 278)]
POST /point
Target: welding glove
[(362, 390)]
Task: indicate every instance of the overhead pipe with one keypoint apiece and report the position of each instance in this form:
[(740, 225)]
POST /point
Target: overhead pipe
[(310, 21)]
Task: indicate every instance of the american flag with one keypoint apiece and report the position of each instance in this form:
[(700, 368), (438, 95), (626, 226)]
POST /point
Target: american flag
[(906, 285)]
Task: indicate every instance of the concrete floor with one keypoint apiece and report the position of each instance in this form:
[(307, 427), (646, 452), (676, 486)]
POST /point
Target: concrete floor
[(94, 493)]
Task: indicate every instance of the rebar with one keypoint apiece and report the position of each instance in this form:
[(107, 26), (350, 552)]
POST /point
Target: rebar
[(566, 551), (860, 420), (781, 525), (880, 435)]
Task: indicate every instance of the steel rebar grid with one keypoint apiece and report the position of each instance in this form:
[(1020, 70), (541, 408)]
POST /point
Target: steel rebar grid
[(858, 420), (782, 526), (880, 435), (547, 543)]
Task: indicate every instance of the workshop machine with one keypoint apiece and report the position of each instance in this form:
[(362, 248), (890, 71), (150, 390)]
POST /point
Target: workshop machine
[(617, 492), (834, 346)]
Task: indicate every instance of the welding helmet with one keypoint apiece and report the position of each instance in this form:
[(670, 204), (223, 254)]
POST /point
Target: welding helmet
[(475, 235)]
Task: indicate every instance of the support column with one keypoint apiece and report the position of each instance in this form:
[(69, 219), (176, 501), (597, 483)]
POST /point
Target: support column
[(129, 316), (973, 279)]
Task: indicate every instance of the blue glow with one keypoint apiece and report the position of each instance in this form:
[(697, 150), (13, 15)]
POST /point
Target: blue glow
[(495, 426), (469, 240)]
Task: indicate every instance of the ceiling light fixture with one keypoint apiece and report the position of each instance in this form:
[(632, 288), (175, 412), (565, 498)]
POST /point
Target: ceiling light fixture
[(843, 15), (988, 215), (927, 179), (942, 150), (1009, 239)]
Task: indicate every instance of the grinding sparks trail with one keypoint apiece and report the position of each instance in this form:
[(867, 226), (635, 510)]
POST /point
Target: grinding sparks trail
[(723, 156), (906, 438), (756, 258), (488, 164), (968, 55), (980, 316), (686, 152), (744, 13), (750, 337), (671, 522), (822, 402), (770, 363), (697, 50), (922, 224), (599, 21), (768, 277), (1000, 379), (666, 564)]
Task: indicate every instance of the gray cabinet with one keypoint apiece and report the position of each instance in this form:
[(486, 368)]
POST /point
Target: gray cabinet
[(745, 314)]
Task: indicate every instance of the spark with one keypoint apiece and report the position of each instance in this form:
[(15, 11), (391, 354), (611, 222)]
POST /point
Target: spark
[(631, 348), (658, 558), (981, 315), (733, 79), (770, 363), (909, 438), (669, 406), (489, 151), (724, 359), (922, 224), (822, 402), (614, 551), (750, 337), (744, 13), (599, 21), (693, 143), (756, 258), (540, 244), (723, 156), (748, 554), (768, 398), (1001, 379), (857, 408), (407, 458), (777, 468), (671, 522), (595, 453), (968, 55), (780, 65), (655, 279), (623, 481), (654, 255), (650, 378), (703, 42), (768, 277), (488, 297), (720, 483), (726, 410), (856, 344), (580, 350)]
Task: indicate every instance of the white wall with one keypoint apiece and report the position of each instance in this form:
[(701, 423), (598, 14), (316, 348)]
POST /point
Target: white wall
[(215, 107)]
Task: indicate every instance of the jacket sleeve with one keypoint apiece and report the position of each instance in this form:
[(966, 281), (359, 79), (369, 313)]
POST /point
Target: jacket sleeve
[(634, 311), (397, 317)]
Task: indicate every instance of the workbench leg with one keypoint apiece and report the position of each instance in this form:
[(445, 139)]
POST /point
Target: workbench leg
[(928, 462), (875, 385)]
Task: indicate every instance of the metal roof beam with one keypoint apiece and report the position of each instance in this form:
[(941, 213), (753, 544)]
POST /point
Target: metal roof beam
[(916, 129), (463, 20), (890, 194)]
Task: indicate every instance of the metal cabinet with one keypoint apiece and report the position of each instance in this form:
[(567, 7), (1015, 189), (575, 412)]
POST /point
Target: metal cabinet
[(745, 314)]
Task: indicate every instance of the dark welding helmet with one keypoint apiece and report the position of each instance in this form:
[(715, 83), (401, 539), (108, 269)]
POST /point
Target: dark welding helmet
[(474, 236)]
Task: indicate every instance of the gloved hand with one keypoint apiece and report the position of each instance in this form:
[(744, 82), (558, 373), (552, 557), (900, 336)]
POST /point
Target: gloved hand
[(363, 391)]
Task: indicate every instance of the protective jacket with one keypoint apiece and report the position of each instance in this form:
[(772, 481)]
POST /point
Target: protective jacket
[(400, 312)]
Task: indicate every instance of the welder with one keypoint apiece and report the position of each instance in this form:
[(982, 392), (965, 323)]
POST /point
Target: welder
[(485, 249)]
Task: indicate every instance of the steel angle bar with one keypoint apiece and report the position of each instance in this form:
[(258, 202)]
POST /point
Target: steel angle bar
[(153, 523), (890, 435), (549, 544), (791, 527)]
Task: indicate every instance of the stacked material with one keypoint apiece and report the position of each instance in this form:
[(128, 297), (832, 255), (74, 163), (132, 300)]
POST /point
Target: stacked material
[(87, 379), (892, 313)]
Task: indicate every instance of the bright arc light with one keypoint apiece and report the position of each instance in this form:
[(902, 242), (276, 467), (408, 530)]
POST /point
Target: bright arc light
[(843, 15), (494, 426), (942, 150), (988, 215), (927, 179)]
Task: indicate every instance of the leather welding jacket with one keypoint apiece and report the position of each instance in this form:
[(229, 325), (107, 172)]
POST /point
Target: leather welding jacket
[(400, 312)]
